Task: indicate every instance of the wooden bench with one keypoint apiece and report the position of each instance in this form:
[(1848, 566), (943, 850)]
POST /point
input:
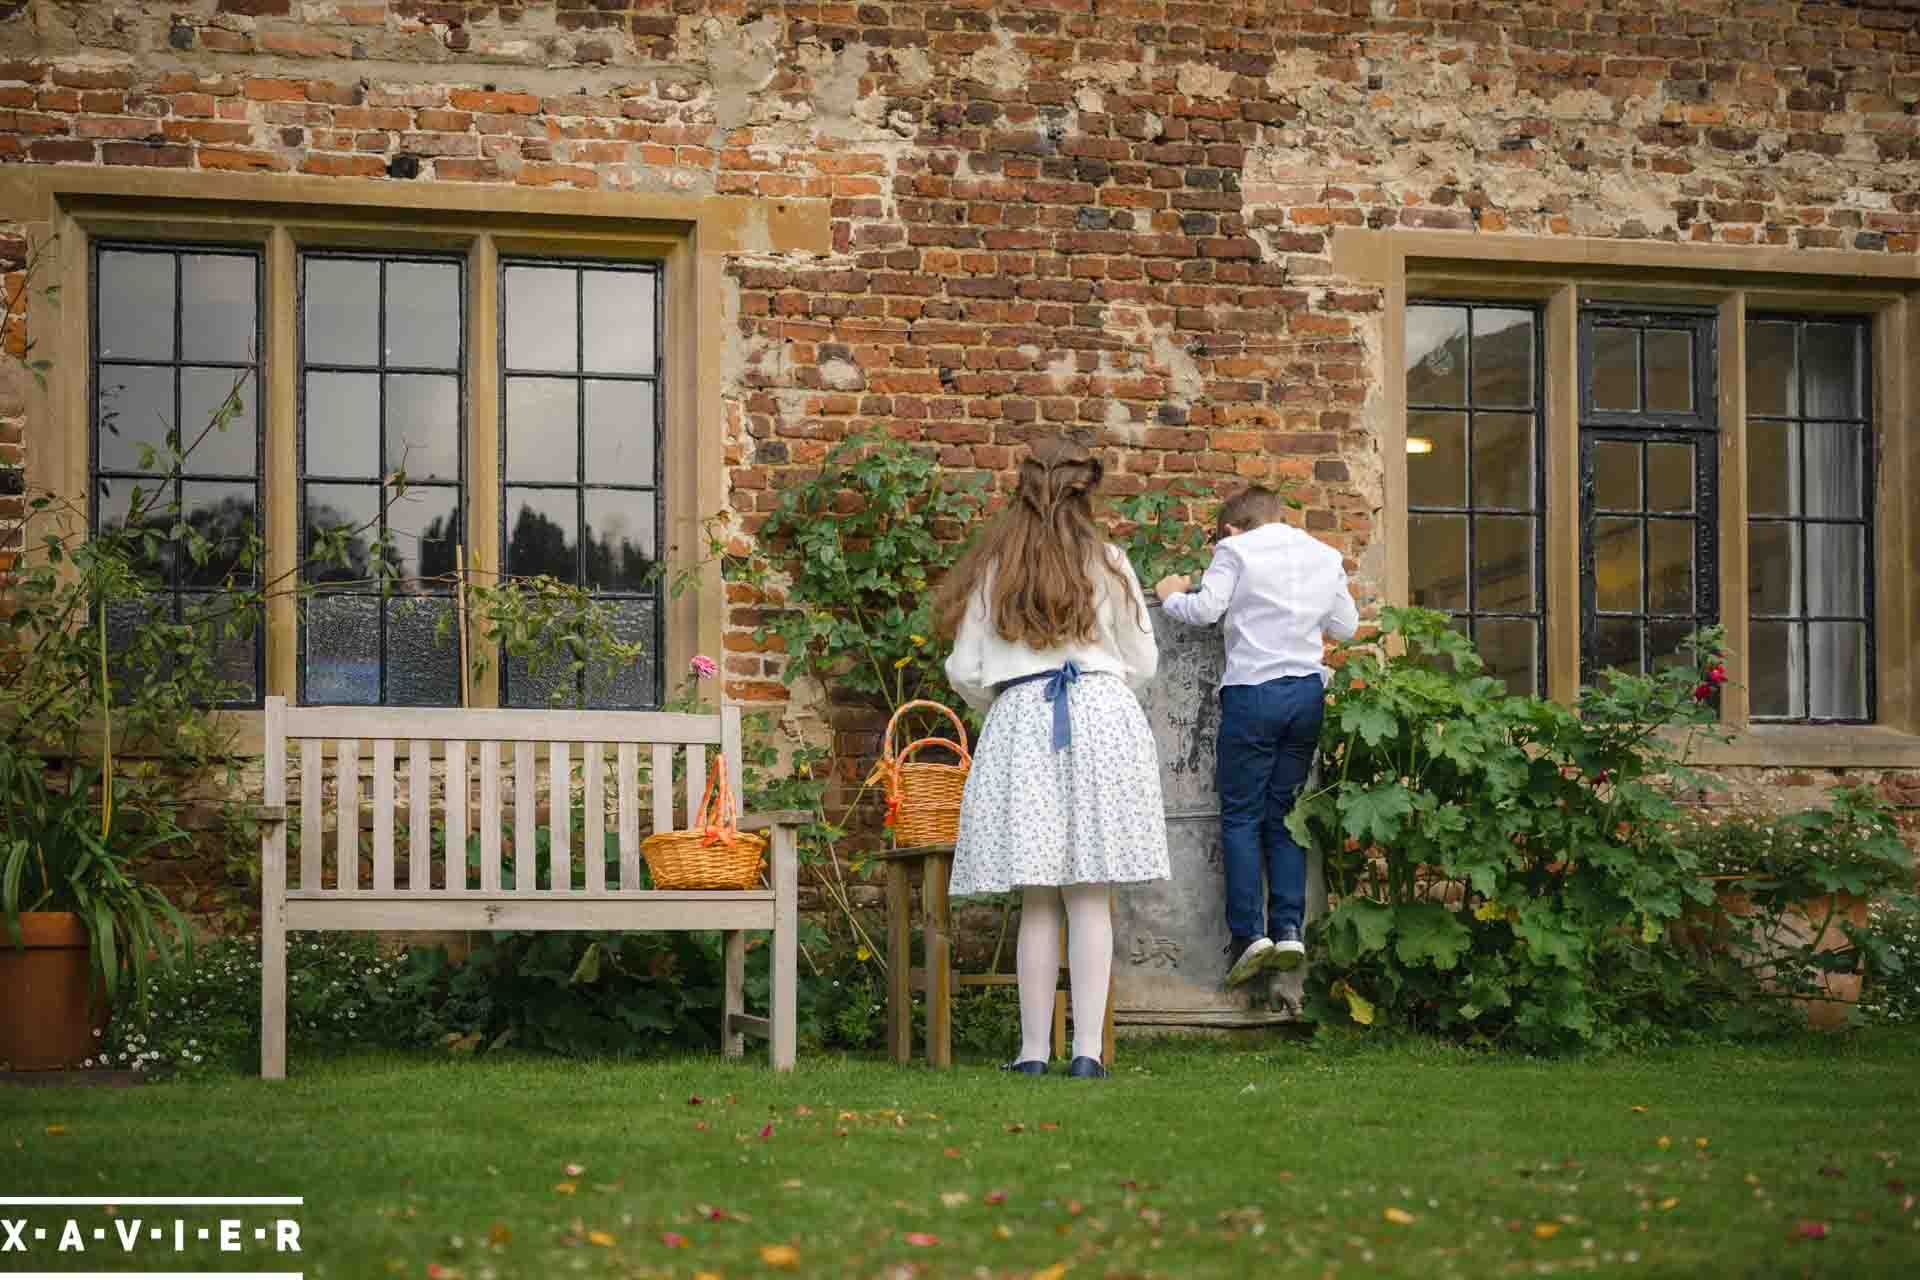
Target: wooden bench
[(421, 757)]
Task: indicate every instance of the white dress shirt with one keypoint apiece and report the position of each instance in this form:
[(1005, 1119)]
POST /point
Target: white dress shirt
[(1280, 590), (1122, 642)]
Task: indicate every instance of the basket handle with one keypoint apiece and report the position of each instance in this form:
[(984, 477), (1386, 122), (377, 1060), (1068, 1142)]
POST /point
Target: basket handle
[(948, 743), (959, 729)]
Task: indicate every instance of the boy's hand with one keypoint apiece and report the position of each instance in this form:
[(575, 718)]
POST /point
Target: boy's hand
[(1171, 585)]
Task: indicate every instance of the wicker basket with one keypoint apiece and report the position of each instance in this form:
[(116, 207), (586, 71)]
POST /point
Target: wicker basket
[(923, 799), (715, 854)]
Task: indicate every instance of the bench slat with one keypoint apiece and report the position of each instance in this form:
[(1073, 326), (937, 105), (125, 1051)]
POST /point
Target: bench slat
[(456, 810), (662, 788), (559, 819), (696, 781), (346, 830), (419, 817), (526, 858), (593, 836), (724, 910), (477, 724), (383, 814), (311, 846), (629, 782), (490, 816)]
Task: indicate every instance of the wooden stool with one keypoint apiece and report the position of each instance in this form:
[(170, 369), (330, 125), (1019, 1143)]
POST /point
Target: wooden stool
[(933, 863)]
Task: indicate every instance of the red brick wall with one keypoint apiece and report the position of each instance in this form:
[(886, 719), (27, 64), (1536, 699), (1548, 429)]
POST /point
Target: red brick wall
[(1043, 215)]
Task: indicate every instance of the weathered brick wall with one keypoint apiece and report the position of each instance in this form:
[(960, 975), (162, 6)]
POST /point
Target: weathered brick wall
[(1111, 215)]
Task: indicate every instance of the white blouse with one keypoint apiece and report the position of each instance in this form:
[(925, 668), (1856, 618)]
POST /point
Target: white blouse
[(1122, 642)]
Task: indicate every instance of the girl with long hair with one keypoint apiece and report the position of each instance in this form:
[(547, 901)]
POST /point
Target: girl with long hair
[(1051, 638)]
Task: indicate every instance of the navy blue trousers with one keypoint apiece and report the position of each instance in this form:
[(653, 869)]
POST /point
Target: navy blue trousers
[(1267, 737)]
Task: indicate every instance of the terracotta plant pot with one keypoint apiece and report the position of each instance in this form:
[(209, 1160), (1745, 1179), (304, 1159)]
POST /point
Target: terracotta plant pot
[(47, 1019), (1711, 929)]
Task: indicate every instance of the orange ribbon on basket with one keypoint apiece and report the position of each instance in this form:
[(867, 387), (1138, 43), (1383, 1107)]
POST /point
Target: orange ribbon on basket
[(884, 770), (717, 820)]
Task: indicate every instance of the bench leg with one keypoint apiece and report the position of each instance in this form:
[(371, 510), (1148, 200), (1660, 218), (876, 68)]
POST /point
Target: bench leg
[(733, 1004), (273, 993), (786, 949)]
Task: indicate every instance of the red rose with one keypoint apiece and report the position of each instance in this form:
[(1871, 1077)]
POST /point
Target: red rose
[(1717, 674), (1701, 692)]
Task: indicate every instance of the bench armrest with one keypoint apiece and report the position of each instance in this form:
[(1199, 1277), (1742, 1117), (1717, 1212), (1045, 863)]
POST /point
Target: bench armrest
[(776, 818)]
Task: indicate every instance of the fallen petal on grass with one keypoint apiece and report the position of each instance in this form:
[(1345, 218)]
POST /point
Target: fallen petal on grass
[(920, 1239), (779, 1255), (1397, 1215), (674, 1240)]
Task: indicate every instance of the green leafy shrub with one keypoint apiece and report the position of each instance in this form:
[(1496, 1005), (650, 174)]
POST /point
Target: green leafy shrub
[(1505, 868), (861, 542)]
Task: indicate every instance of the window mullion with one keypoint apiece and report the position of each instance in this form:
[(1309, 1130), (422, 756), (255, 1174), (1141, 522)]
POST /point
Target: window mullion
[(485, 391), (1562, 498), (280, 502), (1734, 568)]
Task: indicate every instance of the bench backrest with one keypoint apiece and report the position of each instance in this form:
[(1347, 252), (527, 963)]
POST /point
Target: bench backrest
[(418, 759)]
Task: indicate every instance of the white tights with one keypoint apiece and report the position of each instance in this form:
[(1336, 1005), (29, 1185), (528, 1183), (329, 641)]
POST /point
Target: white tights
[(1089, 962)]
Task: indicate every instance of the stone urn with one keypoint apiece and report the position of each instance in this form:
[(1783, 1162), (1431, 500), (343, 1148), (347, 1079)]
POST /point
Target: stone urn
[(1169, 937)]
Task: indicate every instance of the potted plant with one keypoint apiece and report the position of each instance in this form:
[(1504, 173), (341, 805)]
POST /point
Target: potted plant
[(80, 929), (1791, 894)]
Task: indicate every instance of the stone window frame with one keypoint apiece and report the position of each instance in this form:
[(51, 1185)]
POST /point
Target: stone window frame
[(1559, 275), (65, 210)]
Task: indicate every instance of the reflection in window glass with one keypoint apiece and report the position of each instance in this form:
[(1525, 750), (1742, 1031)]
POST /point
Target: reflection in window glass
[(1810, 528), (580, 414), (1474, 425), (175, 370), (382, 360)]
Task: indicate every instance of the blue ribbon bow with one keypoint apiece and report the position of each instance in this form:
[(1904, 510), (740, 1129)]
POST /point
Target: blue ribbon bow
[(1056, 693)]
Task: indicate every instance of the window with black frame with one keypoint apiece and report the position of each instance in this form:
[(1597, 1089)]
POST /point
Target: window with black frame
[(176, 336), (1648, 459), (1474, 478), (1810, 526), (580, 423), (382, 370)]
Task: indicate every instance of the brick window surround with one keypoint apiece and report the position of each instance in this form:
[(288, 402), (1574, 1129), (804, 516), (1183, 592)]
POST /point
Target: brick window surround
[(1732, 288)]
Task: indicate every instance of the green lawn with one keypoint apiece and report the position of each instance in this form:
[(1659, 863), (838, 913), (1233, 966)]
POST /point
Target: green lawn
[(1196, 1159)]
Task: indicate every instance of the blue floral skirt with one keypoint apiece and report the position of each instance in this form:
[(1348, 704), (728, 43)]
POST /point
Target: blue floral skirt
[(1087, 814)]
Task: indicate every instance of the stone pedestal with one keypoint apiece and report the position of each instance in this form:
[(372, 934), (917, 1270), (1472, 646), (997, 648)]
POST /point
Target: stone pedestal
[(1170, 937)]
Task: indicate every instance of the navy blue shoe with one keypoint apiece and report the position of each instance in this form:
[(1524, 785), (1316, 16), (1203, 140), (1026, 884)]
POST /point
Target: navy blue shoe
[(1087, 1069), (1030, 1067)]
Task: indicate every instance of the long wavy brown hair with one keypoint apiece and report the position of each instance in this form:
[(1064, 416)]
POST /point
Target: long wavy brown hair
[(1042, 551)]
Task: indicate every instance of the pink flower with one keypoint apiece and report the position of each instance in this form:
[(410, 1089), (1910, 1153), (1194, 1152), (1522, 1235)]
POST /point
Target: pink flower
[(1717, 674), (703, 666)]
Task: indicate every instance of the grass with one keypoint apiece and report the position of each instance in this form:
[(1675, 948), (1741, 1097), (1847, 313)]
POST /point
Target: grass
[(1196, 1159)]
